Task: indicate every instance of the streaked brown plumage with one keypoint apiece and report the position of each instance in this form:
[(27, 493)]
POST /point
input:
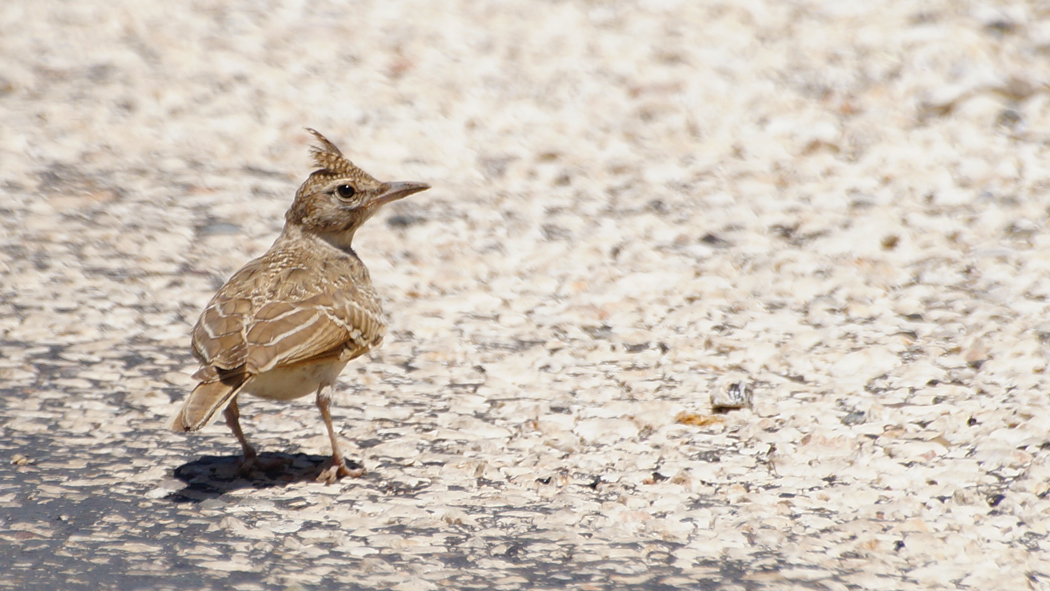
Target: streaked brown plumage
[(287, 323)]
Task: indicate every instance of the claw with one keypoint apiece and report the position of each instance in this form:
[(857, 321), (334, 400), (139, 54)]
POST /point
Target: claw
[(335, 468)]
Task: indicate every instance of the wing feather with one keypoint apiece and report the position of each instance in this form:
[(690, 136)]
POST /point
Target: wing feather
[(280, 333), (273, 314)]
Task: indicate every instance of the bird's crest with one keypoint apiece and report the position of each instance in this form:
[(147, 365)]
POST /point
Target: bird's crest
[(330, 161)]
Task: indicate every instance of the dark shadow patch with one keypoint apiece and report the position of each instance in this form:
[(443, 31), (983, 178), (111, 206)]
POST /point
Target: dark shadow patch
[(213, 476)]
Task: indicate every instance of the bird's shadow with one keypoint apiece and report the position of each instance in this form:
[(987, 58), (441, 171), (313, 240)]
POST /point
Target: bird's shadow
[(213, 476)]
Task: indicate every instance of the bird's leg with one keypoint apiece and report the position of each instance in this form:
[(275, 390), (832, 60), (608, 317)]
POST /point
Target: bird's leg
[(251, 458), (233, 416), (335, 468), (233, 421)]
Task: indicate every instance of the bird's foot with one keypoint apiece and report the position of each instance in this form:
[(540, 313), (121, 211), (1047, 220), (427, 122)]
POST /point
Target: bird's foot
[(336, 468)]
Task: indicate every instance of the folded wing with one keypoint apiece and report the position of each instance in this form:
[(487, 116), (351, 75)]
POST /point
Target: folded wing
[(235, 340)]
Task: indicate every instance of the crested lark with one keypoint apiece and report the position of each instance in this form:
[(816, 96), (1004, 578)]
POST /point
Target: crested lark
[(288, 322)]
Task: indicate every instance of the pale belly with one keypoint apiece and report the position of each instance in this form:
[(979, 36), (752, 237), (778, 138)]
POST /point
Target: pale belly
[(294, 382)]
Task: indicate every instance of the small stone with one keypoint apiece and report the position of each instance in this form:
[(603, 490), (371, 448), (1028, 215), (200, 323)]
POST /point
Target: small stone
[(730, 394)]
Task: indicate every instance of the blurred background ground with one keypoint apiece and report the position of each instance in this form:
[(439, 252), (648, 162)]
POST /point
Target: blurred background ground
[(842, 205)]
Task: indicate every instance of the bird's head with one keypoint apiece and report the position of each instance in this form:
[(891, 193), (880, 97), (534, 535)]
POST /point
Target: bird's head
[(338, 197)]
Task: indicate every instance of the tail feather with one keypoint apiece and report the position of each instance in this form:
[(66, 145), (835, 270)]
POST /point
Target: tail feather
[(207, 399)]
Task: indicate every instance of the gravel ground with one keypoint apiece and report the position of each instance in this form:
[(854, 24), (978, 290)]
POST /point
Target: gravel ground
[(840, 206)]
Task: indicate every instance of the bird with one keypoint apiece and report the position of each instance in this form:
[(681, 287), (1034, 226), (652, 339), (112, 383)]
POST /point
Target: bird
[(287, 323)]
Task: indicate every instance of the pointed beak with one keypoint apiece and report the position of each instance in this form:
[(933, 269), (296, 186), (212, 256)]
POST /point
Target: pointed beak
[(395, 191)]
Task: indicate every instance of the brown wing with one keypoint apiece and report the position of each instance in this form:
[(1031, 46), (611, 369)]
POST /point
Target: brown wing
[(284, 333), (218, 336), (242, 328)]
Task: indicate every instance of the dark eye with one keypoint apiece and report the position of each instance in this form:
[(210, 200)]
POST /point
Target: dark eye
[(345, 191)]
